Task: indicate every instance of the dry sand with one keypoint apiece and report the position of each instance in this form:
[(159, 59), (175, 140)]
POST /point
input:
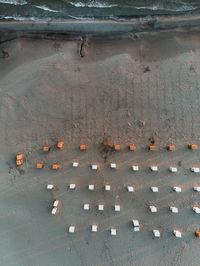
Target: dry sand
[(129, 91)]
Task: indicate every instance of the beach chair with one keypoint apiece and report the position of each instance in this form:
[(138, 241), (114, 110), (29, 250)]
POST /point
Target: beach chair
[(171, 147), (46, 148), (132, 147), (60, 145), (40, 165)]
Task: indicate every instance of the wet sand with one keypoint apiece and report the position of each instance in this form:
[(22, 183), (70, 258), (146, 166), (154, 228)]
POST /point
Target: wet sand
[(127, 90), (107, 27)]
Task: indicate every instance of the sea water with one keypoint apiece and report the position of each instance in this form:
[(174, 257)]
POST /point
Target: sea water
[(93, 9)]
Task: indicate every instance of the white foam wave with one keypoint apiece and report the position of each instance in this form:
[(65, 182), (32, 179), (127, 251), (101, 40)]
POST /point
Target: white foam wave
[(47, 9), (81, 18), (92, 4), (159, 7), (19, 18), (79, 4), (13, 2)]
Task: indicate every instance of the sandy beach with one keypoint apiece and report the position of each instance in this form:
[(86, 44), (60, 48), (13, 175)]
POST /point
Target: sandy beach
[(129, 90)]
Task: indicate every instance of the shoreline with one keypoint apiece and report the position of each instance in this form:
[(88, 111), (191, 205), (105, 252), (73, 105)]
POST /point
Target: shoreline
[(96, 27)]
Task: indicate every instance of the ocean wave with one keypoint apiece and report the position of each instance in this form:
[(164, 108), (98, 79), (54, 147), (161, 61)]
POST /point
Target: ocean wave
[(81, 18), (47, 9), (19, 18), (95, 4), (184, 7), (79, 4), (13, 2)]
